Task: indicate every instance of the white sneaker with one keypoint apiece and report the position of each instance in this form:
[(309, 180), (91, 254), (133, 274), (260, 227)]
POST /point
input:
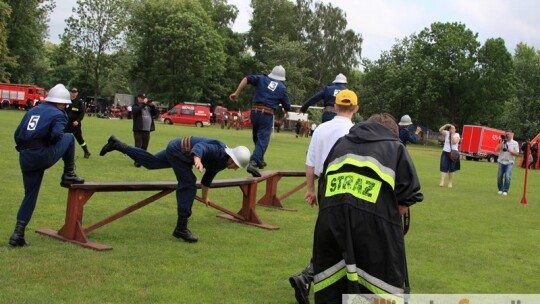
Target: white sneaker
[(500, 192), (505, 193)]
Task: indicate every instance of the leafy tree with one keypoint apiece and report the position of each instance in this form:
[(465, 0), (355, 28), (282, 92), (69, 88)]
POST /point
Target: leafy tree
[(521, 113), (27, 28), (495, 84), (6, 62), (331, 47), (177, 49), (97, 28)]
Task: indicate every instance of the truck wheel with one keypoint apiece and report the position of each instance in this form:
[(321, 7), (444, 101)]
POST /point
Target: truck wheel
[(4, 104), (199, 124), (167, 121), (468, 157), (492, 158)]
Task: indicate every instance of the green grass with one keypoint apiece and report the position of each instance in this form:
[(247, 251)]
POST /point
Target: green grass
[(462, 240)]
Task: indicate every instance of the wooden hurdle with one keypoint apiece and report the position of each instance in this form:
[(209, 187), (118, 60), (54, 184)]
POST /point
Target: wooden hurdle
[(79, 194)]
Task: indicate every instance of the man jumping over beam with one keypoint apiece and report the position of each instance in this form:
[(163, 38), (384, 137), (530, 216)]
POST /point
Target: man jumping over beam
[(180, 155)]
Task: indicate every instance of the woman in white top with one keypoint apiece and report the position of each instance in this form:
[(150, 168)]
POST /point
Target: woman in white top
[(451, 142)]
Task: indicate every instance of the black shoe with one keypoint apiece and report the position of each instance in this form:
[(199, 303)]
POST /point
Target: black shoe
[(70, 178), (262, 165), (252, 169), (185, 235), (87, 154), (113, 144), (17, 238), (301, 288), (136, 164)]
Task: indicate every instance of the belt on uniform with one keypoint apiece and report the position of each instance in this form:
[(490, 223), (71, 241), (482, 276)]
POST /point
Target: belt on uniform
[(185, 146), (263, 109), (329, 109), (33, 143)]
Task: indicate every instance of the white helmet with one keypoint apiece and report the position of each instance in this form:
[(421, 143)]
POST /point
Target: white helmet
[(405, 121), (240, 155), (59, 94), (278, 73), (340, 78)]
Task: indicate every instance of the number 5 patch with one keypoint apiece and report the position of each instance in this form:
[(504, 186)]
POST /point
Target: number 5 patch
[(32, 123)]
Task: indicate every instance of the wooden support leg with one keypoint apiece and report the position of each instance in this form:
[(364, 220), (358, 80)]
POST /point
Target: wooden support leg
[(72, 231), (270, 198), (248, 212)]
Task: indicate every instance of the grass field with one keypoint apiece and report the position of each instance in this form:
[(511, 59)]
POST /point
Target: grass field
[(467, 239)]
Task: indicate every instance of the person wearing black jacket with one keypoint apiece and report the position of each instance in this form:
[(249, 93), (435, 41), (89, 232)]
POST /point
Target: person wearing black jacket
[(75, 112), (143, 113), (368, 182)]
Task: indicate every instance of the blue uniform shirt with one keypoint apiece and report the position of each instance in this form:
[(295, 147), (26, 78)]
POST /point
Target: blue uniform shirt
[(269, 92), (327, 93), (45, 121), (212, 155)]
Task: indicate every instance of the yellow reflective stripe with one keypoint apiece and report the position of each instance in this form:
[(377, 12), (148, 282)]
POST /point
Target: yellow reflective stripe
[(385, 173), (340, 270), (360, 186), (330, 280)]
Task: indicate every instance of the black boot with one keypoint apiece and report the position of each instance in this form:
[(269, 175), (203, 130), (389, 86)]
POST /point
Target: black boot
[(17, 238), (113, 144), (302, 283), (252, 169), (181, 231), (86, 152), (69, 177)]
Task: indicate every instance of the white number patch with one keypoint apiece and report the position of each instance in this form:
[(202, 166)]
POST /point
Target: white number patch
[(272, 86), (32, 123)]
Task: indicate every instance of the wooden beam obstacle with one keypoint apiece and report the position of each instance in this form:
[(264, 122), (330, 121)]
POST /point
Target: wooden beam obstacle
[(79, 194)]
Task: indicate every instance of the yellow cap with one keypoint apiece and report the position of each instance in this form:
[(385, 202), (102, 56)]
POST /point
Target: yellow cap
[(346, 98)]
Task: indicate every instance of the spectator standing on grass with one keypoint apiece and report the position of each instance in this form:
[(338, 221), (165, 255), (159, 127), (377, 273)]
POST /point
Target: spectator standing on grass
[(181, 155), (451, 142), (143, 113), (270, 93), (404, 135), (41, 142), (75, 112), (368, 182), (323, 140), (313, 127), (509, 149), (328, 94)]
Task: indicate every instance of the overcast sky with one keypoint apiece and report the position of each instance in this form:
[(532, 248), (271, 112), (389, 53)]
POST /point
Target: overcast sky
[(381, 22)]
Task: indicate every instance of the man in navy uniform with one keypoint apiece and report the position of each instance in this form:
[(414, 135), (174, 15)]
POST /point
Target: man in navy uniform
[(75, 112), (181, 155), (41, 141), (270, 93), (328, 94)]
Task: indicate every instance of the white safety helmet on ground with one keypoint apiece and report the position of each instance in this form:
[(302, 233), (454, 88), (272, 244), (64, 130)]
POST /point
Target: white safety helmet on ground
[(340, 78), (59, 94), (405, 121), (240, 155), (278, 73)]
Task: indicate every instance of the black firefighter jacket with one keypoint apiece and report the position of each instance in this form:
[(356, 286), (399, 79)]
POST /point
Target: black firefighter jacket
[(359, 244)]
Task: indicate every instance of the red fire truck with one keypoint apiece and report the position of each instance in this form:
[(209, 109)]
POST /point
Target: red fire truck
[(478, 142), (21, 95)]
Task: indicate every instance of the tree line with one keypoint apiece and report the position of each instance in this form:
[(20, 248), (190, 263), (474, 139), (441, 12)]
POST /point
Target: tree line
[(186, 50)]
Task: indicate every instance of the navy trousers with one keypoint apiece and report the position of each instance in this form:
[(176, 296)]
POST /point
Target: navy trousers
[(182, 165), (262, 124), (33, 164)]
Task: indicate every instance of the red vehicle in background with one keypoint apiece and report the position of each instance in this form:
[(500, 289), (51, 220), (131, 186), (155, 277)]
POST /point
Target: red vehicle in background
[(188, 113), (478, 142), (21, 95)]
